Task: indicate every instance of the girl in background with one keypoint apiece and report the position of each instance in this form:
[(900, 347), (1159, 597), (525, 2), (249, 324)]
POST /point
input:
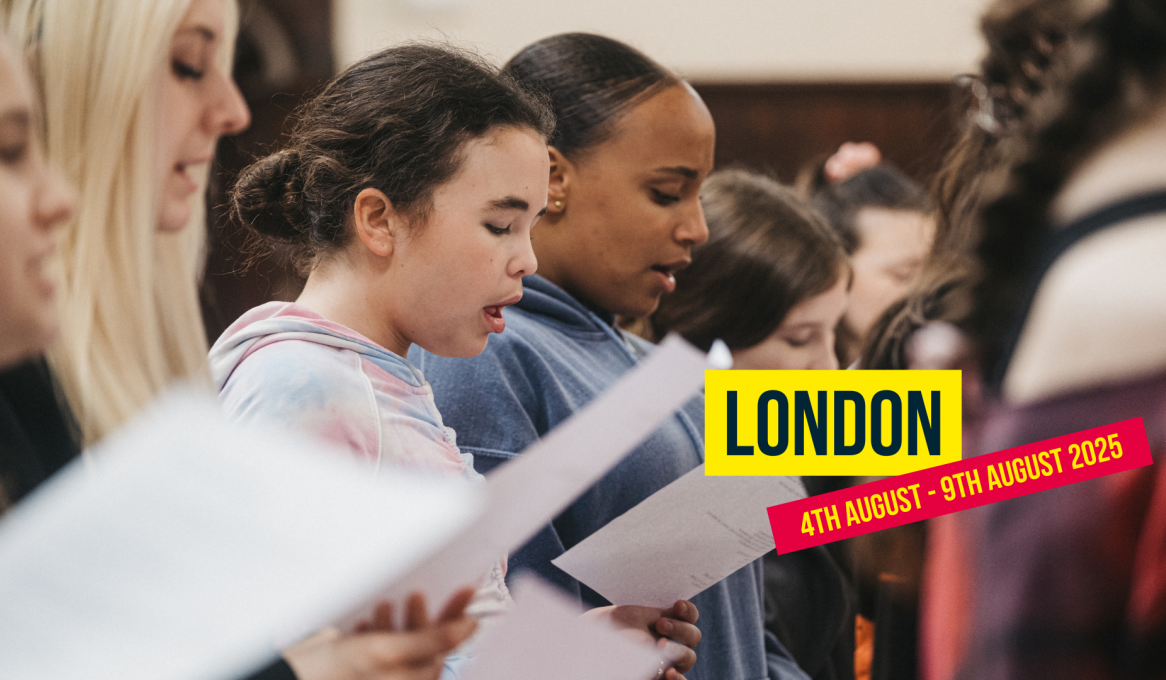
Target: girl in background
[(772, 283), (1066, 321), (35, 201), (885, 222)]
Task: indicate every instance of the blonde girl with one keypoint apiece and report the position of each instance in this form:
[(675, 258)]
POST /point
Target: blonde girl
[(135, 97)]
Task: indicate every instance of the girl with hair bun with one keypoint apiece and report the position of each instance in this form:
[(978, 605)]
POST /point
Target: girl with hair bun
[(409, 187), (632, 147)]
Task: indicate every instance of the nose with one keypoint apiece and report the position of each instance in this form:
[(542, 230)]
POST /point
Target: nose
[(227, 113), (524, 262), (55, 200), (692, 230), (824, 357)]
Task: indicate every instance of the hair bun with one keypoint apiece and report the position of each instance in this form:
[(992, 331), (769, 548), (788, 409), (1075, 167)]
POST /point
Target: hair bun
[(267, 197)]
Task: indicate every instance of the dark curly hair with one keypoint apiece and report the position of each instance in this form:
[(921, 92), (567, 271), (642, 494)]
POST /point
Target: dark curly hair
[(396, 121), (1026, 43), (1095, 82)]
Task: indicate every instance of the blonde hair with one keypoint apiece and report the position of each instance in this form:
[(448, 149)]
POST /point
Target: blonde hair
[(131, 322)]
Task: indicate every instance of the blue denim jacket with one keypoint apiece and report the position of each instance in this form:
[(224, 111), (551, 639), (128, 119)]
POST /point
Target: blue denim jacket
[(555, 356)]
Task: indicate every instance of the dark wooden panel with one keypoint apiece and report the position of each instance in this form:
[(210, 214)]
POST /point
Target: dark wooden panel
[(284, 53), (781, 126), (773, 126)]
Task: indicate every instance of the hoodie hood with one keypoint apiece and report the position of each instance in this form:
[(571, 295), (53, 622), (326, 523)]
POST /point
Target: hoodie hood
[(278, 321), (544, 299)]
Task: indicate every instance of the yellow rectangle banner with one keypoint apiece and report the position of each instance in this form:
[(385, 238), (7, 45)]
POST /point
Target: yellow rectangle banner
[(877, 423)]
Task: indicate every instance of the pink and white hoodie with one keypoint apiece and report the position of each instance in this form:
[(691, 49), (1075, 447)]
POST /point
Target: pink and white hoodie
[(283, 364)]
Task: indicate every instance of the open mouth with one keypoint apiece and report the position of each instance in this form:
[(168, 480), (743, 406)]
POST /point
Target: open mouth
[(38, 272), (188, 181), (493, 314), (668, 271)]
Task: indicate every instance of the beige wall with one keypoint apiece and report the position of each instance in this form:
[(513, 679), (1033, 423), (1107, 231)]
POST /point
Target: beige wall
[(738, 40)]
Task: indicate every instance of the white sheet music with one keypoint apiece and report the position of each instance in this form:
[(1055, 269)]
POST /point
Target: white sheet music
[(187, 547), (528, 492), (544, 637), (682, 539)]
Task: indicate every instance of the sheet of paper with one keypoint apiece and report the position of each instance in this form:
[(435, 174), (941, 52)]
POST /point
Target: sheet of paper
[(528, 492), (544, 637), (186, 548), (682, 539)]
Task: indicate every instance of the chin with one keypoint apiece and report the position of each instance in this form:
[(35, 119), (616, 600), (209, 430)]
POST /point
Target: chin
[(40, 334), (459, 350), (174, 218), (640, 308)]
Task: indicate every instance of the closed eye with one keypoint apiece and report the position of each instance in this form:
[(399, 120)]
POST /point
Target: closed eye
[(663, 198), (905, 273), (186, 71), (800, 341), (13, 154), (498, 231)]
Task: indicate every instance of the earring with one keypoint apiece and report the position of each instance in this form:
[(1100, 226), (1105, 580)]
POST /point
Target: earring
[(558, 204)]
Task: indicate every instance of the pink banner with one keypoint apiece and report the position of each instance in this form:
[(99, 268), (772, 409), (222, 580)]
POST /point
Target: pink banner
[(961, 485)]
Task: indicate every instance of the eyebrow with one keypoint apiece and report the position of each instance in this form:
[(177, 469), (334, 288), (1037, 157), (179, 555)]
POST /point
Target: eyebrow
[(510, 203), (206, 33), (688, 173)]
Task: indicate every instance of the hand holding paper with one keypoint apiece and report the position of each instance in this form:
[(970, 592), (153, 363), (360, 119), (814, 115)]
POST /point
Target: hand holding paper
[(676, 625), (683, 539), (417, 651), (544, 637), (528, 492)]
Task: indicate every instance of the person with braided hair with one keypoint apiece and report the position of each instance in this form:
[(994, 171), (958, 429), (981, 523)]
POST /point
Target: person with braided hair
[(1065, 318)]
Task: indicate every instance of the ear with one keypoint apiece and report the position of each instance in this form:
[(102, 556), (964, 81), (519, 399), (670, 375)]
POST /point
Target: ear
[(376, 223), (562, 174)]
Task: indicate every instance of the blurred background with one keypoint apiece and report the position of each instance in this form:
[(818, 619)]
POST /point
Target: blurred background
[(787, 81)]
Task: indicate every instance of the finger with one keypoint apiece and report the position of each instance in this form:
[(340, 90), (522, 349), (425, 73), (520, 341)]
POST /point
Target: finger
[(382, 617), (685, 611), (420, 647), (427, 672), (416, 616), (455, 632), (683, 658), (673, 674), (637, 617), (678, 631), (430, 671), (456, 607)]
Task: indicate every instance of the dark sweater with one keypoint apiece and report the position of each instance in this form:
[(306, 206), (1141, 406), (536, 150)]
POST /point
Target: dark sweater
[(36, 440), (35, 431)]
